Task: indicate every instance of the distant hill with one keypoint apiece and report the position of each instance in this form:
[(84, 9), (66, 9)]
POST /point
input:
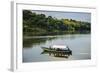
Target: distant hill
[(39, 24)]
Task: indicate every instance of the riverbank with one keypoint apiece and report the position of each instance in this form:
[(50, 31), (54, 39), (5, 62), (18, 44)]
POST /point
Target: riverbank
[(54, 33), (35, 24)]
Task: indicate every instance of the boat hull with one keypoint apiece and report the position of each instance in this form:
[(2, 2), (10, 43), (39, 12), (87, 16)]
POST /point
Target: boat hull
[(56, 52)]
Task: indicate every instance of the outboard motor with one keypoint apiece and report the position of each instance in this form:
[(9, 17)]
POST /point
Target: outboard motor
[(70, 51)]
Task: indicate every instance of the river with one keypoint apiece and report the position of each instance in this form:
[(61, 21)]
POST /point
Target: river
[(80, 44)]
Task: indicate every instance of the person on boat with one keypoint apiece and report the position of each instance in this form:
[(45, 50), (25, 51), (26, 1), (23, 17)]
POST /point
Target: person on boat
[(50, 48), (68, 48), (58, 49)]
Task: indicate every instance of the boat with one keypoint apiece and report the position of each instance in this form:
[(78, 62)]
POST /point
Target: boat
[(57, 50)]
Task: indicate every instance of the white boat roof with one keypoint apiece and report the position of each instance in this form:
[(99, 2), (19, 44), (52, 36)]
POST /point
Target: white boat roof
[(59, 46)]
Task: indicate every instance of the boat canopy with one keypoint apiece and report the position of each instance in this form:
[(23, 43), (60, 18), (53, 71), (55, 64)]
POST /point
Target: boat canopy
[(59, 46)]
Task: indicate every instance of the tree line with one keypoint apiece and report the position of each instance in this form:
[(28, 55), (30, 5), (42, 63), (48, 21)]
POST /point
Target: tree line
[(40, 24)]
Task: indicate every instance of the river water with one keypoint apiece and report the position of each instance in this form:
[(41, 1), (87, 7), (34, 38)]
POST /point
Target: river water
[(80, 44)]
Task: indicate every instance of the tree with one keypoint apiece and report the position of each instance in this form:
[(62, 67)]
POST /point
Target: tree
[(40, 24)]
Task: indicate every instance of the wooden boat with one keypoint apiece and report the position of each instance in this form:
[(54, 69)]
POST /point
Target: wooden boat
[(57, 50)]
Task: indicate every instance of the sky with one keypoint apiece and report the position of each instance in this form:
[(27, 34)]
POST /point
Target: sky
[(79, 16)]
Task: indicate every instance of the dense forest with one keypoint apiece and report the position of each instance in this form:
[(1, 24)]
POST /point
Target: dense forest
[(40, 24)]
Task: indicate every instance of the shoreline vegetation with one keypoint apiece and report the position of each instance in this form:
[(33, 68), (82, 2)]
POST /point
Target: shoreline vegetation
[(42, 25)]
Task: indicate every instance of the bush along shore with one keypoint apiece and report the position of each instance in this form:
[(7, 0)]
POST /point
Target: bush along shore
[(40, 25)]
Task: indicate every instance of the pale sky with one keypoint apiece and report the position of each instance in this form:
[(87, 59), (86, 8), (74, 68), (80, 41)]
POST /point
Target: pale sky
[(80, 16)]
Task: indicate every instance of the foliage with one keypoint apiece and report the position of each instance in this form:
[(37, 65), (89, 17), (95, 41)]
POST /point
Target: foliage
[(40, 24)]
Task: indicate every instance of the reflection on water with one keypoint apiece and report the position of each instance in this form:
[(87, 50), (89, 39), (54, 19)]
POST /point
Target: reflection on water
[(29, 42), (80, 44)]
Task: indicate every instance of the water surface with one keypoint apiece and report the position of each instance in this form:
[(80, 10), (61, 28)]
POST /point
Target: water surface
[(80, 44)]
